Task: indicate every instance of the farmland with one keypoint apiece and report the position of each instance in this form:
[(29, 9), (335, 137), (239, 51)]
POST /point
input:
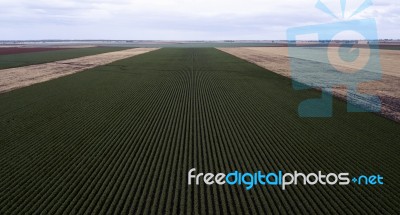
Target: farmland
[(31, 58), (120, 138), (18, 50), (15, 78), (276, 59)]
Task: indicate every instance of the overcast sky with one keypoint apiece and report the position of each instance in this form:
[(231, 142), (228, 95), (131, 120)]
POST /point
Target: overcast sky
[(179, 19)]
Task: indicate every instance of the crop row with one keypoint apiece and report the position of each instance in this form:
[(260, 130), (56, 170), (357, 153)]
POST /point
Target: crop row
[(121, 138)]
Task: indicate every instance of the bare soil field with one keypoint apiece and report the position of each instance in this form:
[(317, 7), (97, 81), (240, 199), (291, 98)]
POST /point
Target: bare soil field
[(17, 50), (15, 78), (389, 58), (388, 89)]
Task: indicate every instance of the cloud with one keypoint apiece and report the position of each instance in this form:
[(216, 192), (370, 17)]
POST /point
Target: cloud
[(170, 19)]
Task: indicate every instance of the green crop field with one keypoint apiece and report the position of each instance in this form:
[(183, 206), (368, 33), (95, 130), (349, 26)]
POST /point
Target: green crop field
[(26, 59), (121, 138)]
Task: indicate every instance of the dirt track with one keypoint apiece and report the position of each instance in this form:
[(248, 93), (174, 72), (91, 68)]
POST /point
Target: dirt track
[(388, 89), (15, 78)]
